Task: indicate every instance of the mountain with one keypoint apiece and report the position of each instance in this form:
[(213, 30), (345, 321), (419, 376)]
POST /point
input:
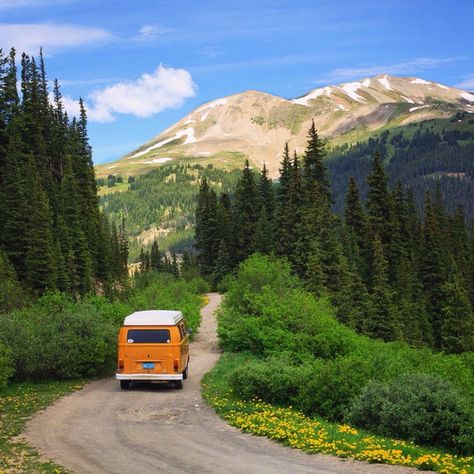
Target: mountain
[(256, 125)]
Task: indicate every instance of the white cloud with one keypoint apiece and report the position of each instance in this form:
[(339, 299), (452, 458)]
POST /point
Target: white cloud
[(29, 37), (151, 32), (467, 83), (409, 67), (148, 95)]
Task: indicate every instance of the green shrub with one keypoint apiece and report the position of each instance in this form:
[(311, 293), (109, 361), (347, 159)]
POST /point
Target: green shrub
[(6, 366), (332, 386), (267, 312), (423, 408), (274, 380), (58, 338), (327, 366)]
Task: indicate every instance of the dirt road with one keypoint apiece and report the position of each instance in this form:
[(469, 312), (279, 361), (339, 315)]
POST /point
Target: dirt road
[(159, 429)]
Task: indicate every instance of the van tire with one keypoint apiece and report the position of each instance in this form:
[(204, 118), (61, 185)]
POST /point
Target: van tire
[(178, 384), (125, 384), (185, 372)]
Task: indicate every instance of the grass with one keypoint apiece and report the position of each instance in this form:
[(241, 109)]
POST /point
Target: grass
[(315, 435), (18, 403), (118, 188), (225, 160)]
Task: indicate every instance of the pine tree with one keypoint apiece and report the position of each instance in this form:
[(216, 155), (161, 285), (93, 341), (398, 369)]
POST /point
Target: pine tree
[(354, 213), (207, 227), (81, 264), (263, 239), (288, 191), (432, 273), (381, 321), (174, 265), (457, 330), (470, 270), (266, 194), (9, 103), (246, 211), (12, 294), (378, 203), (356, 227), (123, 249), (227, 226), (223, 264), (285, 177), (155, 257), (315, 180), (39, 260), (14, 200)]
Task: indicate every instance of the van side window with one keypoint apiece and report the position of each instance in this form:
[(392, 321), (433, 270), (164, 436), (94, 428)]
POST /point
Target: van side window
[(148, 336), (182, 330)]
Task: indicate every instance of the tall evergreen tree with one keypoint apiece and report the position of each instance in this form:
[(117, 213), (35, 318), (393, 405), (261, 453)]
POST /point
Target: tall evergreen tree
[(378, 203), (432, 272), (39, 259), (381, 320), (155, 257), (246, 211), (314, 171), (457, 328)]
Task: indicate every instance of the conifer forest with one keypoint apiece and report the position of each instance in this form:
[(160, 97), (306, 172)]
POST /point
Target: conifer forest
[(393, 271), (52, 234)]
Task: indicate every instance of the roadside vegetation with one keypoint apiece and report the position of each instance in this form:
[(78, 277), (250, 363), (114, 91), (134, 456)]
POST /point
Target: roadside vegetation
[(294, 373), (55, 345)]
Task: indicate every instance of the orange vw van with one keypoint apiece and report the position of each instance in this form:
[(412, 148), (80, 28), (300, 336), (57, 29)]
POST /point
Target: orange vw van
[(153, 345)]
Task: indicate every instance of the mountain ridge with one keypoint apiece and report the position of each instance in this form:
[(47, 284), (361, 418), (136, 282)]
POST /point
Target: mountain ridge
[(255, 125)]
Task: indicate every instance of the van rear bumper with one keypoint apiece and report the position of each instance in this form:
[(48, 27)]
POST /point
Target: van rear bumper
[(163, 377)]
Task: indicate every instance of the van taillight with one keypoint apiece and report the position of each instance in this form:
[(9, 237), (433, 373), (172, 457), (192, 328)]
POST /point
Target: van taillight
[(120, 364), (176, 365)]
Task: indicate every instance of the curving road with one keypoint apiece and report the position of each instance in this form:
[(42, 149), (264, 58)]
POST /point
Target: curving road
[(102, 429)]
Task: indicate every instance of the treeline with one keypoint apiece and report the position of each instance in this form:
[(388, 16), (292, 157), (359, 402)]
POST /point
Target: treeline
[(391, 272), (434, 153), (52, 234)]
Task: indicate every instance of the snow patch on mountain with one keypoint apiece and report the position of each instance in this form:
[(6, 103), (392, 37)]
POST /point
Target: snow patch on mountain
[(158, 160), (442, 87), (365, 82), (411, 101), (212, 105), (385, 82), (350, 89), (313, 95), (420, 81), (412, 109), (188, 132), (467, 96)]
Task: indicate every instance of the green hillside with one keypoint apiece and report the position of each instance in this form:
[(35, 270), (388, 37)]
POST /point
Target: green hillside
[(161, 204)]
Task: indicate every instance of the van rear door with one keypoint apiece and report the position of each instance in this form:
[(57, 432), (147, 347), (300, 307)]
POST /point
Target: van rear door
[(148, 350)]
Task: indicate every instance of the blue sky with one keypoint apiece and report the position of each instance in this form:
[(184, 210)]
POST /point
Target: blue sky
[(141, 65)]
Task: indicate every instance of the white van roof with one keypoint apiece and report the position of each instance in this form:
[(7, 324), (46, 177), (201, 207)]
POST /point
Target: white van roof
[(153, 318)]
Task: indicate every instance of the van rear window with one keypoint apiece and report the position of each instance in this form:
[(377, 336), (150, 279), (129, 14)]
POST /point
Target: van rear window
[(148, 335)]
